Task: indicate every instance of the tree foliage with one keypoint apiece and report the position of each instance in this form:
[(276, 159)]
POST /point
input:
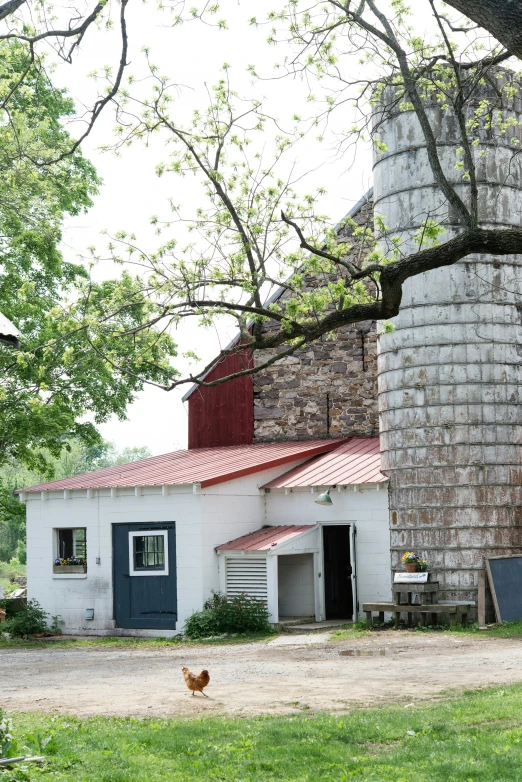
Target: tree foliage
[(39, 27), (63, 368), (256, 231)]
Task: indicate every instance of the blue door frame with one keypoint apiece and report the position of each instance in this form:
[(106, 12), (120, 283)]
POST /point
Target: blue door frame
[(143, 601)]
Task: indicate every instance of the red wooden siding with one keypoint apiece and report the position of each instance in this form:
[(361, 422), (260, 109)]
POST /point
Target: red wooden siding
[(224, 414)]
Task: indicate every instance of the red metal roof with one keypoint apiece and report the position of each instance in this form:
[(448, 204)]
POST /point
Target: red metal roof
[(357, 461), (264, 539), (206, 466)]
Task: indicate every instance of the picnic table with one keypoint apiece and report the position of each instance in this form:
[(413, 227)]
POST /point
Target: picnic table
[(428, 607)]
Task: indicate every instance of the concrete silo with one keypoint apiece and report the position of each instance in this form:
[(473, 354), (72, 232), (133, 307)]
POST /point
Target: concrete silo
[(450, 374)]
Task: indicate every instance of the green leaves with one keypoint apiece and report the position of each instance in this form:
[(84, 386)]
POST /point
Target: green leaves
[(79, 351)]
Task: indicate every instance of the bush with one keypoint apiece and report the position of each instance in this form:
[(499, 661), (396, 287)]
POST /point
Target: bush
[(222, 614), (6, 736), (202, 624), (30, 620)]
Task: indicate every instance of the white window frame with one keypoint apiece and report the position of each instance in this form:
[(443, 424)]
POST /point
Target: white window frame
[(144, 533)]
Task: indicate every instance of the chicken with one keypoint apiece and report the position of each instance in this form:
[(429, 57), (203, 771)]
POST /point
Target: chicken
[(196, 683)]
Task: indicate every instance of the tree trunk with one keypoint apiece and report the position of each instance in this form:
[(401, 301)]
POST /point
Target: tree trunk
[(502, 18)]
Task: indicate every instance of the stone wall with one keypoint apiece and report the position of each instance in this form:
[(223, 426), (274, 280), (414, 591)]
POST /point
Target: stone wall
[(326, 389)]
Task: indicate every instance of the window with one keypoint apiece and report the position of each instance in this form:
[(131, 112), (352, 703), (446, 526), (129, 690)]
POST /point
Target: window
[(72, 543), (148, 553)]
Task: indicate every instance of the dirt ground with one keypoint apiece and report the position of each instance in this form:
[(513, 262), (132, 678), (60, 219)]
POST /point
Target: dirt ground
[(288, 674)]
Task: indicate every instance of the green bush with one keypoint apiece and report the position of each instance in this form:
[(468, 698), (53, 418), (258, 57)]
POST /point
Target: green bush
[(6, 736), (222, 614), (202, 624), (30, 620)]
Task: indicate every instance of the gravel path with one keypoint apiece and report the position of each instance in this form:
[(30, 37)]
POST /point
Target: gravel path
[(286, 675)]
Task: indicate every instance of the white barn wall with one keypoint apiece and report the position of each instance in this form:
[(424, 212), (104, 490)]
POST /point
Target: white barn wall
[(69, 596), (367, 508), (230, 510), (205, 518), (296, 585)]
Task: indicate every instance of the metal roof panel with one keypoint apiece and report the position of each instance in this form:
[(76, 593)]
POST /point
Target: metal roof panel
[(265, 539), (207, 466), (357, 461)]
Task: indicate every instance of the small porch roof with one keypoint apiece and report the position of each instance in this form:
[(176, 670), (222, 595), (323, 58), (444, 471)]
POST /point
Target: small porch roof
[(265, 539), (357, 461)]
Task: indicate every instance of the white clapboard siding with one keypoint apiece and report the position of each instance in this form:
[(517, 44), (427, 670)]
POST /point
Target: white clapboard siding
[(246, 576)]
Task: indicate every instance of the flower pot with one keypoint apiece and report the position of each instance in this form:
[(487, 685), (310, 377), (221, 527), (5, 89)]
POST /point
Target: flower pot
[(63, 569), (411, 567)]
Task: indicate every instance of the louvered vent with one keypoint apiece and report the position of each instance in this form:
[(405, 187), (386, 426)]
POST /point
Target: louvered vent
[(246, 576)]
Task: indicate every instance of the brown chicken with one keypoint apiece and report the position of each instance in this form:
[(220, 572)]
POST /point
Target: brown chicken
[(196, 683)]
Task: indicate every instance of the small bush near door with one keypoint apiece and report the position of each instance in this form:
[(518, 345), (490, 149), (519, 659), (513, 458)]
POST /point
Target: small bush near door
[(222, 614)]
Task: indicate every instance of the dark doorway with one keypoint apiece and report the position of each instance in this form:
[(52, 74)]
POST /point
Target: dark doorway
[(338, 597), (144, 572)]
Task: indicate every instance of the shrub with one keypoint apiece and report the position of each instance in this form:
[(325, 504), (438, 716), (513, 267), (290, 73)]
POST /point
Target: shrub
[(29, 620), (222, 614), (202, 624), (6, 735)]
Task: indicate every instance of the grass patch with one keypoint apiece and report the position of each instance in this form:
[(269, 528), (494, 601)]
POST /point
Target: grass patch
[(504, 630), (473, 738), (350, 632), (131, 643)]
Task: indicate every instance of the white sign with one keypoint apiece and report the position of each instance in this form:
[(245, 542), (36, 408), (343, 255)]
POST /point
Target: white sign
[(407, 578)]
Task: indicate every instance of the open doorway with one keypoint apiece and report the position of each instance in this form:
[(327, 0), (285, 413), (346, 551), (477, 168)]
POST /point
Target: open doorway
[(338, 595)]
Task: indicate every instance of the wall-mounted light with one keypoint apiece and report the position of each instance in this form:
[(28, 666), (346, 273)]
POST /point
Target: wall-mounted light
[(324, 498), (89, 613)]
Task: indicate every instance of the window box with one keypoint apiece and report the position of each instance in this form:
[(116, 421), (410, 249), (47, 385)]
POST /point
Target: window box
[(63, 569)]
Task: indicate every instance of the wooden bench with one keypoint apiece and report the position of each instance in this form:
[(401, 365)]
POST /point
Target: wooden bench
[(452, 610)]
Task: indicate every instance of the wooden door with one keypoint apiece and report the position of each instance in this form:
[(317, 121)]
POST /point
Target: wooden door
[(144, 573)]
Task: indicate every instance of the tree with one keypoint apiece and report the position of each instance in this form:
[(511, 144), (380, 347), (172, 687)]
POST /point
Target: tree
[(502, 18), (62, 369), (240, 242), (37, 27)]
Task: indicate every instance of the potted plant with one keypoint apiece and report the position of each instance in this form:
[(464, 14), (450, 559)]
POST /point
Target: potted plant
[(411, 561), (70, 565)]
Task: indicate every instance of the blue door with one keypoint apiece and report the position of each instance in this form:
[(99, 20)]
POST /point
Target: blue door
[(144, 576)]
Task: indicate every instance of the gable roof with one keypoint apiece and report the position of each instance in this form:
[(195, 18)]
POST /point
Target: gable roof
[(357, 461), (279, 291), (207, 466), (265, 539)]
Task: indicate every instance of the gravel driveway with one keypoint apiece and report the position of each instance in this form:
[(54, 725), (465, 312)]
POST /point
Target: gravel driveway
[(285, 675)]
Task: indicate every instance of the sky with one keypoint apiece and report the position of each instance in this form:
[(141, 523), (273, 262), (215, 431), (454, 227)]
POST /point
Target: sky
[(192, 55)]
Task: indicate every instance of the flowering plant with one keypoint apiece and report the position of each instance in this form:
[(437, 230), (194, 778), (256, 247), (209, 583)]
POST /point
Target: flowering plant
[(410, 556), (69, 561), (422, 565)]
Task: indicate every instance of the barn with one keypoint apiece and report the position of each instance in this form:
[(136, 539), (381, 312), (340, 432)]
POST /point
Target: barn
[(416, 432), (160, 534)]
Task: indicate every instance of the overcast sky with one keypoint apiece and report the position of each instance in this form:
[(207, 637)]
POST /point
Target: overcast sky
[(191, 55)]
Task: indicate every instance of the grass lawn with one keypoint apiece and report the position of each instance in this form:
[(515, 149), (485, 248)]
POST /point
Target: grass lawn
[(473, 738), (129, 643)]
